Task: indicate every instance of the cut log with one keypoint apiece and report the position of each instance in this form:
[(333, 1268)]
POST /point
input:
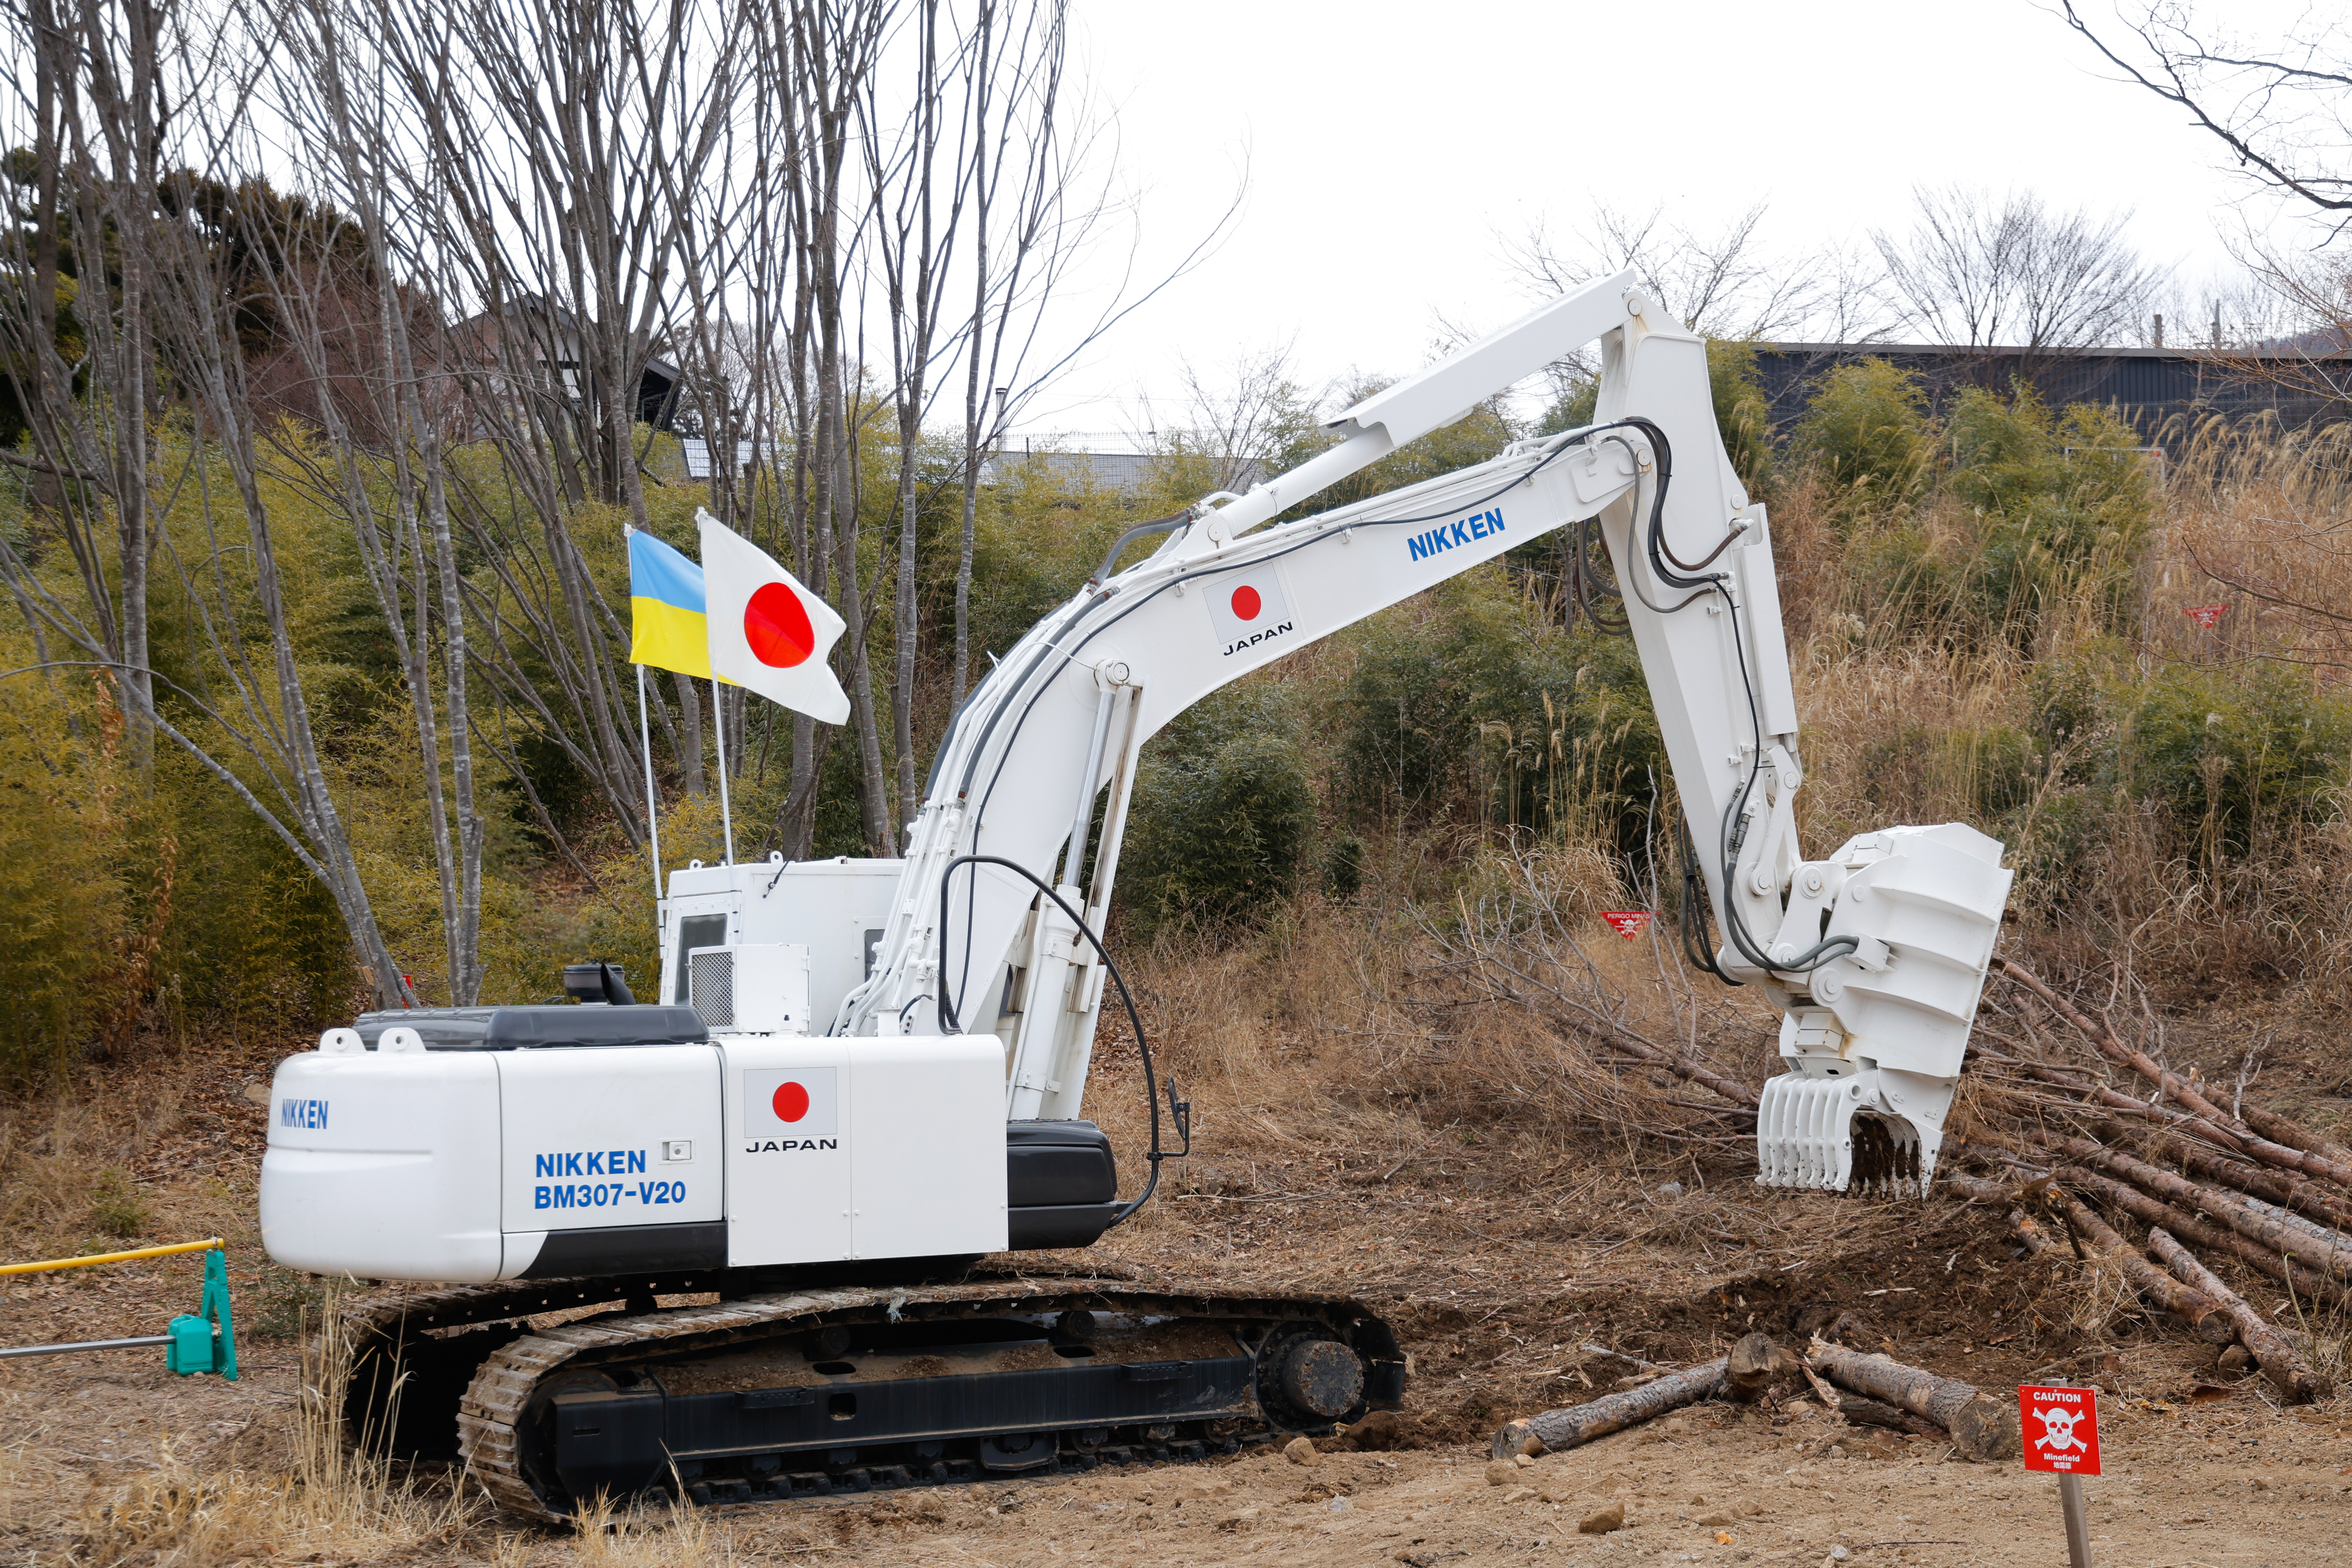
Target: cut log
[(1975, 1189), (1753, 1365), (1580, 1424), (2281, 1363), (2286, 1129), (2206, 1316), (2277, 1235), (1982, 1426), (2321, 1201), (2202, 1232), (1871, 1412)]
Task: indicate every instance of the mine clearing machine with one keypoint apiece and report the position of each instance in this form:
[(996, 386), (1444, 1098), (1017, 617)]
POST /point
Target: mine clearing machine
[(862, 1077)]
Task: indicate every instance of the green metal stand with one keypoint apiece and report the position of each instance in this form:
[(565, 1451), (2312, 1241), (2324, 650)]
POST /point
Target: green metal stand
[(194, 1346)]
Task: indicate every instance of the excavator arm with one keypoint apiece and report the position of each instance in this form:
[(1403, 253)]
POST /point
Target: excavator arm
[(1875, 956)]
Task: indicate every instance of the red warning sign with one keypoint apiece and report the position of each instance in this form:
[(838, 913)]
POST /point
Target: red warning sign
[(2206, 616), (2061, 1428), (1629, 923)]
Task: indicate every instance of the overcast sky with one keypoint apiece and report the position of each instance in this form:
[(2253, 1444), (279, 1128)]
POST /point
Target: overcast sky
[(1387, 152)]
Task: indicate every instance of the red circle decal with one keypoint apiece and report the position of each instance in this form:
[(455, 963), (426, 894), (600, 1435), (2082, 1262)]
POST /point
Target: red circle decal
[(1246, 603), (776, 625), (791, 1102)]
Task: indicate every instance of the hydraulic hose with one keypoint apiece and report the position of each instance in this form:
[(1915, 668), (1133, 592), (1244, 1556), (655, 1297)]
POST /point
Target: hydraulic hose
[(1179, 1111)]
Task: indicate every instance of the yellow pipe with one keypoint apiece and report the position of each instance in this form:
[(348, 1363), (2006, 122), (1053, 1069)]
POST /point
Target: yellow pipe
[(111, 1256)]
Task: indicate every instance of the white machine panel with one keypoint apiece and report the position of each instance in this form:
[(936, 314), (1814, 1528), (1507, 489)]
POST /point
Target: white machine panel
[(787, 1159), (840, 1148), (385, 1165), (586, 1131), (928, 1166), (837, 908), (755, 988)]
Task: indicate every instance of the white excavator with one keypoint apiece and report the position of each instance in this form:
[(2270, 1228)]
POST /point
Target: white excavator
[(861, 1078)]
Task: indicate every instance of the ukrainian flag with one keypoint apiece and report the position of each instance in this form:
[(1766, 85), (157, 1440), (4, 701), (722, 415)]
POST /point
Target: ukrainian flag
[(667, 628)]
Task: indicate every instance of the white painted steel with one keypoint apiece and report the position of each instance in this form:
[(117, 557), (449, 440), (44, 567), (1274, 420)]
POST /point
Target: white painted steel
[(569, 1115), (384, 1166)]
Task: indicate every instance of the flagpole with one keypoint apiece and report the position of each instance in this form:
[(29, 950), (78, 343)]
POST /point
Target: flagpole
[(718, 726), (653, 801)]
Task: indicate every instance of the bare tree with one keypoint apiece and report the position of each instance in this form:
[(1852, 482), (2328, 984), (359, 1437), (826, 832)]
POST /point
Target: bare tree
[(1979, 273), (1728, 284), (2278, 105), (110, 65), (97, 100)]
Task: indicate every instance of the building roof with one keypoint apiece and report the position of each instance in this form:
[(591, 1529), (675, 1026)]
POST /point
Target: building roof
[(2147, 386)]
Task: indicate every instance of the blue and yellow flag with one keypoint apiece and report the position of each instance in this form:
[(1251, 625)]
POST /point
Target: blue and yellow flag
[(667, 628)]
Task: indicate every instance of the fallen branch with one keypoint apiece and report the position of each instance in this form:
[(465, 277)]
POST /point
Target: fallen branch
[(2172, 1083), (2324, 1204), (2205, 1314), (2286, 1369), (1982, 1426), (1617, 1036), (2276, 1235), (2267, 1136), (1580, 1424), (1975, 1189), (2201, 1232)]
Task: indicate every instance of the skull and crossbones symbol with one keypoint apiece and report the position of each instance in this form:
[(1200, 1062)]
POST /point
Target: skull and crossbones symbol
[(2058, 1429)]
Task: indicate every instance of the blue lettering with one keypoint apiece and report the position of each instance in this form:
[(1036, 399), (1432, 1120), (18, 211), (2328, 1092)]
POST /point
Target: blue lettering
[(636, 1162), (545, 1167), (1461, 533), (539, 1198), (596, 1162), (1477, 528), (307, 1113), (1495, 520), (563, 1197), (571, 1166), (1417, 547)]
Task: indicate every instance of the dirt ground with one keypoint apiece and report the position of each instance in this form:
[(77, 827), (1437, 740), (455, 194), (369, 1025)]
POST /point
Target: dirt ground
[(1516, 1286)]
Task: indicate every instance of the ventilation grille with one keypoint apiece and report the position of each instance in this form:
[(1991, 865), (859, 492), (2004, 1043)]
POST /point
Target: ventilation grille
[(710, 987)]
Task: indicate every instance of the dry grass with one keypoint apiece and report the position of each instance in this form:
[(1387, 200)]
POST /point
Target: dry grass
[(328, 1500)]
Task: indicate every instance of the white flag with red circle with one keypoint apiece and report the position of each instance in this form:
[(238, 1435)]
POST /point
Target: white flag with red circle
[(1249, 608), (768, 633)]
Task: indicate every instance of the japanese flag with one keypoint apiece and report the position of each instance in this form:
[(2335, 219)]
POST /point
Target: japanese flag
[(768, 633)]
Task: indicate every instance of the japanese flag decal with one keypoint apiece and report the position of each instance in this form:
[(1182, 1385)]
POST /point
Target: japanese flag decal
[(1248, 609)]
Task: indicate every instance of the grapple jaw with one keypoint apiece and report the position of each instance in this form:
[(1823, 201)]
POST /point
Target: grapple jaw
[(1874, 1131)]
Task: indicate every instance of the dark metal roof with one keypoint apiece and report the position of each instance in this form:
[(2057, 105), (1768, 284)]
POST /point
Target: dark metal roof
[(2148, 386)]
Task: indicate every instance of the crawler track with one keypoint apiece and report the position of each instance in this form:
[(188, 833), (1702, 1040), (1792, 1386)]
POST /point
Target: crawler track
[(756, 1398)]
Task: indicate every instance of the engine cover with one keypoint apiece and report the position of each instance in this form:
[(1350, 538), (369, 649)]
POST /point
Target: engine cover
[(476, 1161)]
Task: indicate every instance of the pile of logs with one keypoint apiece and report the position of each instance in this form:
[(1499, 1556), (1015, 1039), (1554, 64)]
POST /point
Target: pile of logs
[(1869, 1390), (2243, 1182), (2076, 1161)]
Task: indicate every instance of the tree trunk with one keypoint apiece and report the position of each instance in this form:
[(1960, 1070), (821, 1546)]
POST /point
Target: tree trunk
[(2205, 1315), (1558, 1429), (2276, 1235), (2288, 1372), (1983, 1427), (689, 756), (2202, 1232)]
